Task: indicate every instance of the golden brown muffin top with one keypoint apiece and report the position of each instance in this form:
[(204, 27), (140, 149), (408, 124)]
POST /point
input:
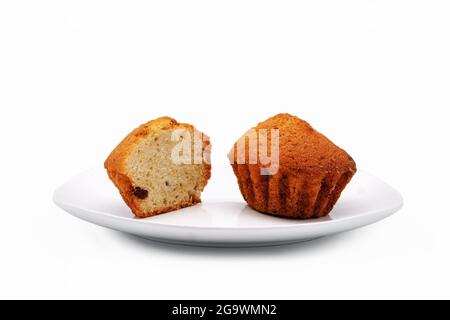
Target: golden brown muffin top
[(303, 150)]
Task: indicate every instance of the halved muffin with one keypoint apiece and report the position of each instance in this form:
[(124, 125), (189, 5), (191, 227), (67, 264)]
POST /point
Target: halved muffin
[(311, 171), (161, 166)]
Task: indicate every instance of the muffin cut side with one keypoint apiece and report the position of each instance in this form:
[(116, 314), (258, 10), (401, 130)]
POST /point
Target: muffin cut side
[(148, 179)]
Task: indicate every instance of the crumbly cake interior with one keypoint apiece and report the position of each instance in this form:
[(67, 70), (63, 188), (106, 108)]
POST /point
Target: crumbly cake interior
[(157, 181)]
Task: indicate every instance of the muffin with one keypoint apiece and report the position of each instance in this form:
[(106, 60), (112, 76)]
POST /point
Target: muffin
[(161, 166), (306, 177)]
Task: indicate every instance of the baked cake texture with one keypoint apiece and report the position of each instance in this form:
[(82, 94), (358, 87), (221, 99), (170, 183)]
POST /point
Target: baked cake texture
[(150, 180), (312, 171)]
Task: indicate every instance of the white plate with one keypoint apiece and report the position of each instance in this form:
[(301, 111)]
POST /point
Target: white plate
[(223, 219)]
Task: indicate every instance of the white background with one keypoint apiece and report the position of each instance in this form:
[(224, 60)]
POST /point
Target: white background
[(76, 76)]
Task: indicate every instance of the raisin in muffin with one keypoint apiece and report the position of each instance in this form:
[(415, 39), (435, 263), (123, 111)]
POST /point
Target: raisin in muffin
[(311, 173), (153, 172)]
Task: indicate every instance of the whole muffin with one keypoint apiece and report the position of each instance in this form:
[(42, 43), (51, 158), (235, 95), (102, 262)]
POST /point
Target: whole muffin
[(309, 177), (152, 176)]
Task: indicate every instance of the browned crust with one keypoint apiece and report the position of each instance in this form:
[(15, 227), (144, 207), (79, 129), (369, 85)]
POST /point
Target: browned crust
[(312, 175), (116, 165)]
